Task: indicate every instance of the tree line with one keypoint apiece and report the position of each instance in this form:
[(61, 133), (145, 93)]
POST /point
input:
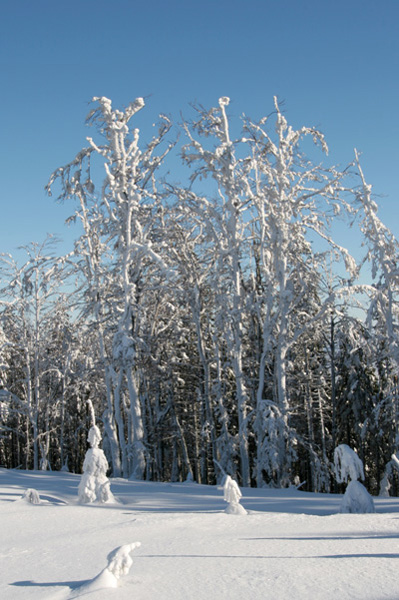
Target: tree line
[(217, 326)]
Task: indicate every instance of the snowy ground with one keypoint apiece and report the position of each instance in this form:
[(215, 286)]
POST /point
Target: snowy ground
[(292, 545)]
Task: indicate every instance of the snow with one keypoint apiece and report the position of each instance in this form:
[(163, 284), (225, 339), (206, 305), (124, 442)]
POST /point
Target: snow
[(347, 464), (119, 563), (357, 499), (94, 485), (31, 496), (292, 544), (232, 494), (231, 491)]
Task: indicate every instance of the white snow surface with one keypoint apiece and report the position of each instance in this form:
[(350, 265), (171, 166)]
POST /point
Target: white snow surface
[(357, 499), (291, 545)]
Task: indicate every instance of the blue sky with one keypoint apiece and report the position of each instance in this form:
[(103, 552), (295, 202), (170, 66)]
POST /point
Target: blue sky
[(334, 63)]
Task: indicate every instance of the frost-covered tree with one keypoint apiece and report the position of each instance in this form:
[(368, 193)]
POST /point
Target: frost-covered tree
[(223, 220), (97, 297), (196, 288), (29, 294), (292, 201), (12, 414), (382, 255), (309, 394), (128, 206)]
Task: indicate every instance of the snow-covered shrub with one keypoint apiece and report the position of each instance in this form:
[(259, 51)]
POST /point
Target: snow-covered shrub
[(357, 499), (349, 466), (232, 495), (94, 485), (385, 484), (119, 563), (31, 496)]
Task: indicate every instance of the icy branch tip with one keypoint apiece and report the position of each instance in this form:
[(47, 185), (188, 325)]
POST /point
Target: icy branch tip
[(139, 102), (224, 101)]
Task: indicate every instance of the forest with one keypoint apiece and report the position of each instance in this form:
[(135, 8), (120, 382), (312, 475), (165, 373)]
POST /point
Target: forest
[(219, 325)]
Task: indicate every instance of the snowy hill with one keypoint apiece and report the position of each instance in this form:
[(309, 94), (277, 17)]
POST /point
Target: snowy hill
[(291, 545)]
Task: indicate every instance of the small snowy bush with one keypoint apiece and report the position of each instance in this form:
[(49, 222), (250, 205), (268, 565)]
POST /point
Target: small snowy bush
[(349, 466), (94, 485), (357, 499), (232, 495), (119, 563), (31, 496), (385, 484)]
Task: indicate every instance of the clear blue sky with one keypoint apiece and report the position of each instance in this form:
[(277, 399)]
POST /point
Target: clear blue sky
[(335, 63)]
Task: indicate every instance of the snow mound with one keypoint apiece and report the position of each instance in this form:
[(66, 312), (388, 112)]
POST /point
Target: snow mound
[(357, 499), (234, 508)]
